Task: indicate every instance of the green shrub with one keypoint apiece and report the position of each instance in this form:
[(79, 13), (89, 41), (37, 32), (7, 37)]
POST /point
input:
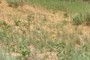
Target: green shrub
[(25, 52), (78, 19)]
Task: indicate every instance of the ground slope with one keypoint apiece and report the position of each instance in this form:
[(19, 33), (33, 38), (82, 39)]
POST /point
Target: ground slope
[(41, 31)]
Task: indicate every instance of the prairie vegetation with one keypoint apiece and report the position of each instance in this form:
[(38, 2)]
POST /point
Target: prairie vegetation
[(44, 30)]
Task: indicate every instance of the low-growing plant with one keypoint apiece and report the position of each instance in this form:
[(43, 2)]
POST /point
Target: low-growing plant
[(78, 19), (25, 51)]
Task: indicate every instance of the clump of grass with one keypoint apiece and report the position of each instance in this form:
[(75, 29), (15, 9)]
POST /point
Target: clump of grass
[(25, 51), (64, 5), (15, 3), (78, 19)]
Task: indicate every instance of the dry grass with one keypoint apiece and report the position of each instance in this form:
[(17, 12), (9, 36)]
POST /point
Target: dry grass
[(38, 34)]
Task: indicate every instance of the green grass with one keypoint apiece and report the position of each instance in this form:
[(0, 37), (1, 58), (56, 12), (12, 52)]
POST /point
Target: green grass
[(57, 5), (81, 18), (78, 19)]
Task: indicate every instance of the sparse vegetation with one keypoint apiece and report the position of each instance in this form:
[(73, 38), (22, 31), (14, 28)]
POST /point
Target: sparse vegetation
[(36, 34), (80, 18)]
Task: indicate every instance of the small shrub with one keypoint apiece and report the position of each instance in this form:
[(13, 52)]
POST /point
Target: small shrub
[(24, 50), (78, 19), (82, 18)]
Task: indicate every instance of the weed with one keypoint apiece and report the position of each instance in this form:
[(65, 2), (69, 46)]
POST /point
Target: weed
[(25, 52)]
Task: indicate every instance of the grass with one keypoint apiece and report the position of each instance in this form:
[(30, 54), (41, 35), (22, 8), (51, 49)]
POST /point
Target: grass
[(80, 19), (33, 37), (5, 56), (64, 43), (57, 5)]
